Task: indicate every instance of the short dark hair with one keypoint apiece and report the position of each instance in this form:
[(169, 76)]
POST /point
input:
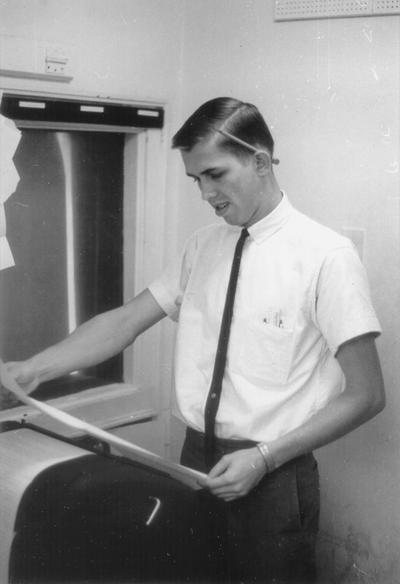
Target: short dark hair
[(240, 119)]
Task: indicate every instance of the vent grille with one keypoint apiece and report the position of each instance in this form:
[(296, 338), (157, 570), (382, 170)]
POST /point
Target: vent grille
[(312, 9)]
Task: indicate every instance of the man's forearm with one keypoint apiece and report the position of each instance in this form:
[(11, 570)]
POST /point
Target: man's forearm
[(96, 340), (362, 399), (91, 343), (338, 418)]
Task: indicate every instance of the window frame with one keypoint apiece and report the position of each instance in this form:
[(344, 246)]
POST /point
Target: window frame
[(144, 190)]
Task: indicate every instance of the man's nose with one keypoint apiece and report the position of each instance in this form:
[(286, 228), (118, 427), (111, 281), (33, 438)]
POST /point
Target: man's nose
[(207, 192)]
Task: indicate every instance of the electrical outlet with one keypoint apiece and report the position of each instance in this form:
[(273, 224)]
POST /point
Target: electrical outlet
[(56, 60), (56, 67)]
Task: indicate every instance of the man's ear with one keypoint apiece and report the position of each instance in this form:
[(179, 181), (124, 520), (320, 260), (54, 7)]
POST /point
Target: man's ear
[(262, 162)]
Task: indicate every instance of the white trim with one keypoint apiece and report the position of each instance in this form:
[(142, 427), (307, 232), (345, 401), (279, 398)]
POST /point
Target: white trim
[(149, 250), (96, 109), (115, 99), (36, 76), (148, 113), (32, 104), (131, 246), (93, 406), (64, 143)]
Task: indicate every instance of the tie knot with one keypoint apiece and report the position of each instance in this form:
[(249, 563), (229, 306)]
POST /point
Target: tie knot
[(244, 233)]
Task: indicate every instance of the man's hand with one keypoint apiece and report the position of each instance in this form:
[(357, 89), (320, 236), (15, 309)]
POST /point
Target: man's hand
[(236, 474), (23, 374)]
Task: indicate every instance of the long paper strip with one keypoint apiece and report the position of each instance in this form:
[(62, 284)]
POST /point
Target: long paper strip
[(9, 178), (6, 257), (181, 473), (9, 140)]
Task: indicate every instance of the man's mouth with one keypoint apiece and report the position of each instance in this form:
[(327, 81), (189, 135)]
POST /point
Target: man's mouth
[(221, 206)]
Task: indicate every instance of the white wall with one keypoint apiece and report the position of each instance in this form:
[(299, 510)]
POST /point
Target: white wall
[(330, 92), (121, 47)]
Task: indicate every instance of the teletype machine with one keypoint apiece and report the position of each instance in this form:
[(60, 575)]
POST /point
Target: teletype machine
[(71, 511)]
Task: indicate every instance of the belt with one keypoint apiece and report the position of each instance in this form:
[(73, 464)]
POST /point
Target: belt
[(225, 443)]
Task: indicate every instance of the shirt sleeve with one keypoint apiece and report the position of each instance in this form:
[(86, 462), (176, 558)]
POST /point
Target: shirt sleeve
[(169, 288), (343, 303)]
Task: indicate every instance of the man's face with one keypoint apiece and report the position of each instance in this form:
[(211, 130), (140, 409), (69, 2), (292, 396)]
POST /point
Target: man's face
[(231, 185)]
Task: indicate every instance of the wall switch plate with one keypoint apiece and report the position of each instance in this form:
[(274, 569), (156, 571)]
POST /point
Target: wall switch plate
[(55, 67), (55, 60)]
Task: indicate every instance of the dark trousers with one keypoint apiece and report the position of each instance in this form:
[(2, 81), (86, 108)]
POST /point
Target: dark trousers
[(270, 534)]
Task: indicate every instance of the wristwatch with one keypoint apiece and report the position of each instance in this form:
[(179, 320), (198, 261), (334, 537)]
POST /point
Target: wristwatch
[(267, 456)]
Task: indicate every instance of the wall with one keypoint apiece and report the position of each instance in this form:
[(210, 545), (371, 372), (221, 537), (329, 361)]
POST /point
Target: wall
[(119, 48), (329, 90)]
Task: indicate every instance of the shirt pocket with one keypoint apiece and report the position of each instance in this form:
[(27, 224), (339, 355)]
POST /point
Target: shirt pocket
[(262, 353)]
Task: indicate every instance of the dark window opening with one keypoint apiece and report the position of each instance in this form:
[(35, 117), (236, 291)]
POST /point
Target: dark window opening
[(65, 229)]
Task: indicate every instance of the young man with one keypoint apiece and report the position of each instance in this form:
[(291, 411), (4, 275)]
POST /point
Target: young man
[(301, 367)]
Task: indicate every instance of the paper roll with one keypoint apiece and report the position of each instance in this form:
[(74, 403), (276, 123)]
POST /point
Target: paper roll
[(2, 221), (9, 139), (6, 257), (9, 178)]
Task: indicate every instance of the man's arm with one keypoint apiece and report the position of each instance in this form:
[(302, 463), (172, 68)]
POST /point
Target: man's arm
[(98, 339), (236, 474)]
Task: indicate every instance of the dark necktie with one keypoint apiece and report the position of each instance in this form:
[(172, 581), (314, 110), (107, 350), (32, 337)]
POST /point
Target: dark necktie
[(214, 393)]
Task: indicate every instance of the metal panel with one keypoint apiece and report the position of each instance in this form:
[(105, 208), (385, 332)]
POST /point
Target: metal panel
[(75, 111)]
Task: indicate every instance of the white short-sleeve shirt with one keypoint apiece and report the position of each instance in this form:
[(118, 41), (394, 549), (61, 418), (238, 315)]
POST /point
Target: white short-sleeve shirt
[(302, 292)]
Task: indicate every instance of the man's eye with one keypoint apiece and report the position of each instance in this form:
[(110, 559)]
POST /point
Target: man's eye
[(216, 176), (195, 179)]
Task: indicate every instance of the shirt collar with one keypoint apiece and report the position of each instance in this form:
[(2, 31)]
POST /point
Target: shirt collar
[(268, 225)]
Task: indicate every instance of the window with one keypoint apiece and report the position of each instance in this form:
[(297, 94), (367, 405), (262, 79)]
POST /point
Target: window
[(65, 229), (77, 225)]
